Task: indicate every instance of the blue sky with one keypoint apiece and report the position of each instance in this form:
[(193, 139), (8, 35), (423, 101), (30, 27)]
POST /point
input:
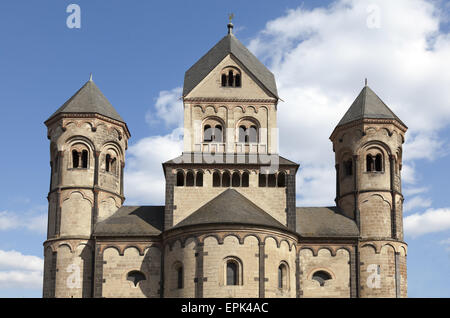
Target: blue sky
[(320, 53)]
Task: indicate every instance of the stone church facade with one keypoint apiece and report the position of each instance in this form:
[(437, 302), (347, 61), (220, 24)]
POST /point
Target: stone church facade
[(230, 226)]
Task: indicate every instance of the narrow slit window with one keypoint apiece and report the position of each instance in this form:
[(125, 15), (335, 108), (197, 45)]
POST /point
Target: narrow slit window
[(262, 180), (281, 182), (369, 163), (84, 158), (107, 163), (75, 159), (232, 273), (237, 80), (190, 179), (378, 163)]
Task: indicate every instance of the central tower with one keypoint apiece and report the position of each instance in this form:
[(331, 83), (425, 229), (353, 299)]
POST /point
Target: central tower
[(230, 137)]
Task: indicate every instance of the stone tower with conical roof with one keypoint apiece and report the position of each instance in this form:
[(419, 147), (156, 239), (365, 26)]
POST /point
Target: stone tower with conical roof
[(368, 151), (88, 140)]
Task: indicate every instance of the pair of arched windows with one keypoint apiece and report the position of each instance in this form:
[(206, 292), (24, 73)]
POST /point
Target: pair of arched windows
[(80, 158), (190, 179), (226, 180), (110, 164), (272, 180), (230, 78), (212, 134), (374, 164)]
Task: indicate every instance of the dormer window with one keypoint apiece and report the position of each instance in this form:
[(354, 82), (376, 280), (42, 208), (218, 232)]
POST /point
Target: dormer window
[(230, 77)]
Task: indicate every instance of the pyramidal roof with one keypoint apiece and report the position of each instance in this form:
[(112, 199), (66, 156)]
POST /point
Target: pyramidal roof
[(228, 45), (230, 207), (89, 99), (368, 105)]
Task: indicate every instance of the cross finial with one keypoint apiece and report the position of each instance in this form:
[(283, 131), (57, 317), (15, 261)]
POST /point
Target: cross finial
[(230, 25), (90, 77)]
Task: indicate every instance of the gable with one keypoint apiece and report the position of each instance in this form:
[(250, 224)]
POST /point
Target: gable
[(210, 85)]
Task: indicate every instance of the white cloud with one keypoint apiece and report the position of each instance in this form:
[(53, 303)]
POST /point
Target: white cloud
[(431, 221), (414, 190), (168, 107), (20, 271), (415, 203), (144, 176), (320, 58), (30, 221)]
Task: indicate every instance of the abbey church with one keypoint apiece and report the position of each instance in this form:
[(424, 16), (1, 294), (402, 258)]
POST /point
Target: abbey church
[(230, 226)]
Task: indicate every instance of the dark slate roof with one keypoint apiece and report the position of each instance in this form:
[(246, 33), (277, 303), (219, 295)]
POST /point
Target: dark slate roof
[(132, 221), (232, 159), (229, 44), (326, 221), (230, 207), (368, 105), (89, 99)]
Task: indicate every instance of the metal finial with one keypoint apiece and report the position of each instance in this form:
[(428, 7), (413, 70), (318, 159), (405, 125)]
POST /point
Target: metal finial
[(365, 81), (230, 25), (90, 77)]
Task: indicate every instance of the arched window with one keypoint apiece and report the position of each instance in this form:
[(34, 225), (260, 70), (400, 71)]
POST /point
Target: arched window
[(236, 179), (237, 80), (282, 276), (226, 179), (245, 179), (248, 131), (75, 158), (378, 162), (253, 134), (369, 163), (272, 180), (321, 277), (84, 159), (189, 179), (180, 276), (108, 163), (216, 179), (217, 135), (242, 133), (135, 277), (281, 182), (232, 273), (262, 180), (199, 179), (224, 80), (230, 78), (207, 133), (180, 178)]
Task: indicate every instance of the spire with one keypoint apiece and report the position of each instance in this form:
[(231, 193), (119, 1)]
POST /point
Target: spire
[(368, 105), (230, 25)]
